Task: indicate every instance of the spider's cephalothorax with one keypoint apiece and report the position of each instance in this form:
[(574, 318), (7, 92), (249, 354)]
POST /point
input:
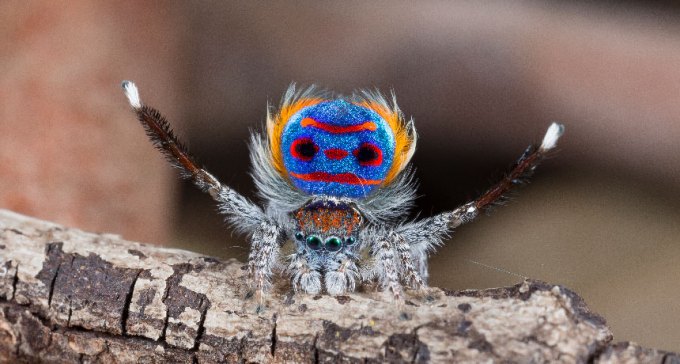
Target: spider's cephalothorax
[(326, 234), (327, 225), (333, 174)]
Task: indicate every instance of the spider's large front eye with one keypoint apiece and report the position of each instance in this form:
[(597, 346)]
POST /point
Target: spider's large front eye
[(368, 155), (333, 244), (304, 149), (314, 242)]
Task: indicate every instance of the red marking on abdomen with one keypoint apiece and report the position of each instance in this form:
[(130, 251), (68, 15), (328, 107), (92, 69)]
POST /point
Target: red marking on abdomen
[(346, 178), (337, 129), (335, 153)]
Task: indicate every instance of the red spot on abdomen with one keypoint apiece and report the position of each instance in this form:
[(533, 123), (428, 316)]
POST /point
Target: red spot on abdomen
[(335, 153), (346, 178)]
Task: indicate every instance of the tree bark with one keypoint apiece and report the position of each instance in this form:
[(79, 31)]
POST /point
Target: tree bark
[(72, 296)]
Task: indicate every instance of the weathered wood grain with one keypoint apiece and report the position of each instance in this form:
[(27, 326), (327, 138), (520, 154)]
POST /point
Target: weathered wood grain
[(72, 296)]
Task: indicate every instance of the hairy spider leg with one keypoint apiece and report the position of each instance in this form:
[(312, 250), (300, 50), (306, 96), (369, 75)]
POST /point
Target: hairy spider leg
[(521, 170), (386, 266), (438, 227), (263, 257), (426, 234), (410, 276), (163, 138), (245, 215)]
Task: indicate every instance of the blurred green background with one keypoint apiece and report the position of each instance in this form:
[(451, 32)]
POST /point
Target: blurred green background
[(482, 81)]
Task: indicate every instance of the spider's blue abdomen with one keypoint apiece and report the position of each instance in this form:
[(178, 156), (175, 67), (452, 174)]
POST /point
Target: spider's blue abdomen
[(337, 148)]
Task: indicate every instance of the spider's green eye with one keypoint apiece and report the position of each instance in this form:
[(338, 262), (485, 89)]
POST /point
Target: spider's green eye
[(350, 240), (313, 242), (299, 235), (333, 244)]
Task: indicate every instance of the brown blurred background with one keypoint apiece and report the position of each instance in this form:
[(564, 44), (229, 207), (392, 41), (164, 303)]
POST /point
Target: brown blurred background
[(481, 80)]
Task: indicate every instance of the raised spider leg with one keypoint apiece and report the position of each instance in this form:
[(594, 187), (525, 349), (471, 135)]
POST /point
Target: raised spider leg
[(241, 212), (522, 170), (304, 275), (426, 234), (341, 274)]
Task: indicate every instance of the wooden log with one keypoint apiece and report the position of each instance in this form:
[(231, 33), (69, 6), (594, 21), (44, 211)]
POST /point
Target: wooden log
[(72, 296)]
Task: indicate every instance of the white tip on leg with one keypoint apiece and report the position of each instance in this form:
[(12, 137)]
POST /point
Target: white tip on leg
[(132, 94), (554, 133)]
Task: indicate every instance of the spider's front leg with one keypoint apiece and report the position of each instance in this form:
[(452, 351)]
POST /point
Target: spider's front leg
[(304, 272), (386, 265), (263, 256), (409, 262), (341, 273)]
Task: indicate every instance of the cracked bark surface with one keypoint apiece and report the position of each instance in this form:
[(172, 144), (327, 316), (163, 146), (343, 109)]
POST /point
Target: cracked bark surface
[(72, 296)]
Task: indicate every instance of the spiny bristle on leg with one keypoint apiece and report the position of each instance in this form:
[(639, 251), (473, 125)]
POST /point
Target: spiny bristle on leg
[(132, 94), (554, 133)]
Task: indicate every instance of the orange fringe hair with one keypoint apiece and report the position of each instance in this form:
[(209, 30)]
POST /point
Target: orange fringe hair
[(277, 123), (405, 137)]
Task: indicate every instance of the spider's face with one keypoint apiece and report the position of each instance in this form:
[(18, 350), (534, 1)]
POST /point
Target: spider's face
[(327, 226), (337, 148)]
